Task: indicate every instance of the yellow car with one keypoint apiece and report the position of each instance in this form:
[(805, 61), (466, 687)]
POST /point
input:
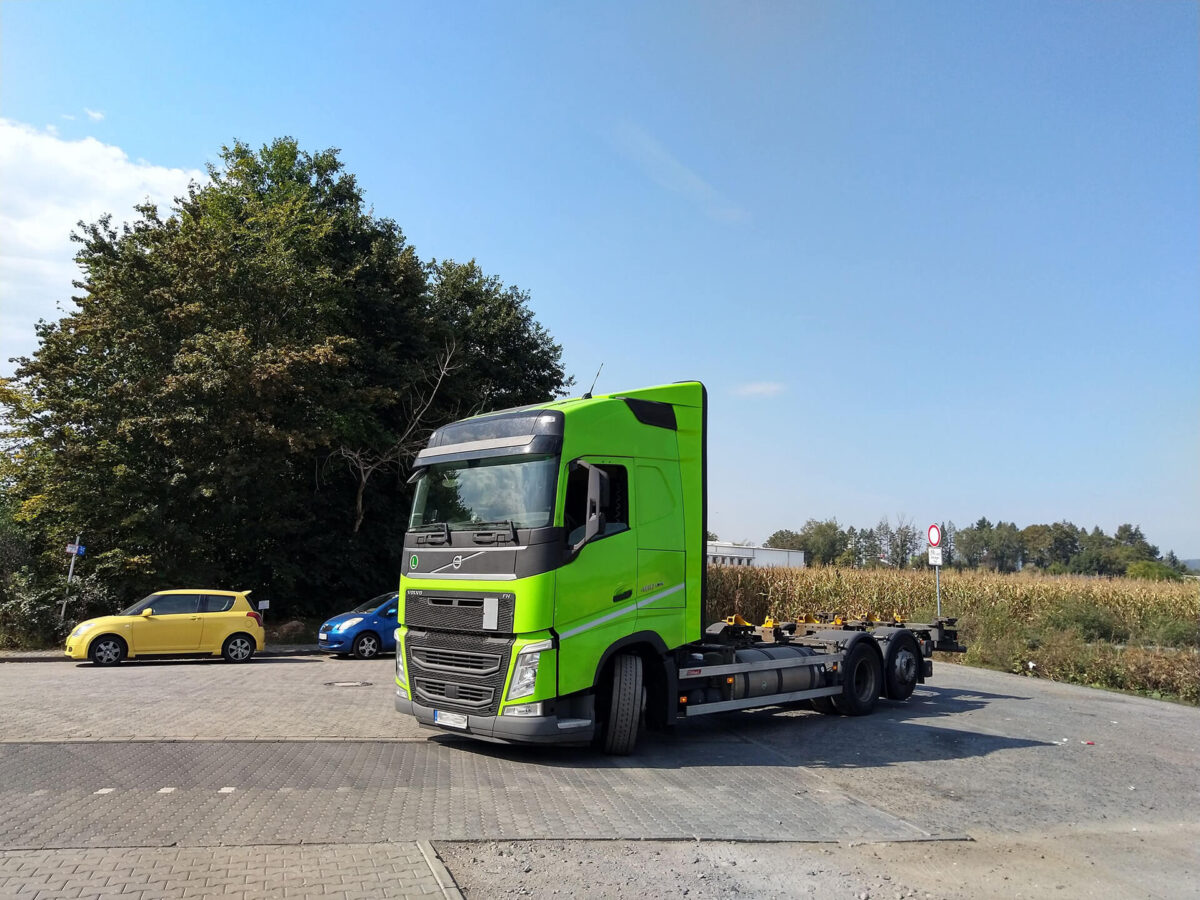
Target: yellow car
[(172, 623)]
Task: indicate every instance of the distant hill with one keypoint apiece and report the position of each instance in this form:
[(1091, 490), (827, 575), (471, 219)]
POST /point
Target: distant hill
[(1193, 564)]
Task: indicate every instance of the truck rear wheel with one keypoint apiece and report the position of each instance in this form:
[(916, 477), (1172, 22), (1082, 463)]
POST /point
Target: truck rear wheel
[(862, 676), (625, 705), (824, 705), (901, 666)]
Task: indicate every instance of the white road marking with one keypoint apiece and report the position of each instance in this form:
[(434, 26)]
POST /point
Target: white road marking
[(39, 793), (105, 791), (226, 790), (166, 790)]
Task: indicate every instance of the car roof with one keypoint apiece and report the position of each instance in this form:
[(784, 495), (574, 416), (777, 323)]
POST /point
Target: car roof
[(203, 591)]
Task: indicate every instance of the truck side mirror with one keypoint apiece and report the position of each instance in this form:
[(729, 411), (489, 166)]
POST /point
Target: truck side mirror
[(594, 522)]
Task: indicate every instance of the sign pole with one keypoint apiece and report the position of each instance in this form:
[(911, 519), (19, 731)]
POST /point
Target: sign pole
[(937, 574), (935, 560), (62, 610)]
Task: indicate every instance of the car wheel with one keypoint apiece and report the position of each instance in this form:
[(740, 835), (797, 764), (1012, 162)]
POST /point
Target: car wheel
[(238, 648), (366, 645), (107, 650)]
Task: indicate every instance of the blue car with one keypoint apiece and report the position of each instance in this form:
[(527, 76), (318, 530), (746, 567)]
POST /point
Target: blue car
[(366, 631)]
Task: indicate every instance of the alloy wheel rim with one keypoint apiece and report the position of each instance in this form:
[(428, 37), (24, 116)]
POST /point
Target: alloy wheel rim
[(367, 646), (108, 652), (239, 649)]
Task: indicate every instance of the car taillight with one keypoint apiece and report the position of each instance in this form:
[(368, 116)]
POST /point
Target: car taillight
[(257, 617)]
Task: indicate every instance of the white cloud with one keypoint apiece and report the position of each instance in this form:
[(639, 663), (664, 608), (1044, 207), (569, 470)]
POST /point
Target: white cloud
[(94, 115), (760, 389), (47, 185), (68, 117), (663, 168)]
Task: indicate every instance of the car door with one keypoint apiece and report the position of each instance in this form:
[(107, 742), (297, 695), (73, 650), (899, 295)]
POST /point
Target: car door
[(216, 618), (174, 625), (386, 615)]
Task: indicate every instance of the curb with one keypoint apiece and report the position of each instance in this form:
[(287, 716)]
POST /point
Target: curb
[(19, 656), (440, 873)]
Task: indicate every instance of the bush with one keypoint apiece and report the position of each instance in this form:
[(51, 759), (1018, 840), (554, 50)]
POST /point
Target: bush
[(29, 613)]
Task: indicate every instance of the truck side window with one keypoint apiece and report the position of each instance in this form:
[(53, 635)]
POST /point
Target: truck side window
[(615, 507)]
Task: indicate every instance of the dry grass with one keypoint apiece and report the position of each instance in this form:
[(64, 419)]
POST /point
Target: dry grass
[(1109, 632)]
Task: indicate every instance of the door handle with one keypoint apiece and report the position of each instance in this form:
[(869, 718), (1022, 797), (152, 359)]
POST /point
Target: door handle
[(624, 595)]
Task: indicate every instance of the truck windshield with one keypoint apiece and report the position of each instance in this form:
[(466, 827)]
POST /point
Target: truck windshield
[(478, 493)]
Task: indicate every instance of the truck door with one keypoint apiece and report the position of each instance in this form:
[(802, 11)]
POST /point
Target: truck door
[(595, 594), (661, 588)]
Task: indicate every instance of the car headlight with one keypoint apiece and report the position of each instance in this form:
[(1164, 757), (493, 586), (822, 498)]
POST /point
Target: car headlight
[(524, 676), (349, 623), (80, 629)]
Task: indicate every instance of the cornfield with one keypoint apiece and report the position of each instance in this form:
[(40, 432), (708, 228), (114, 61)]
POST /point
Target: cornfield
[(1108, 632)]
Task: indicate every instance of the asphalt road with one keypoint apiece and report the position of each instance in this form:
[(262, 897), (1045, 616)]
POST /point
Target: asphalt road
[(303, 776)]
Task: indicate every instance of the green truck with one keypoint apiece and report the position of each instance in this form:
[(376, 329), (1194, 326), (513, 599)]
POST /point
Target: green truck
[(553, 586)]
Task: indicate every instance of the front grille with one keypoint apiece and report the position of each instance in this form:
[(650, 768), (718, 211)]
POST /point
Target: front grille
[(447, 693), (458, 672), (457, 610), (441, 659)]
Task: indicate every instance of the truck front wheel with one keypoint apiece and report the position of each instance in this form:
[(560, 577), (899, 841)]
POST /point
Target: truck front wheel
[(862, 675), (625, 705)]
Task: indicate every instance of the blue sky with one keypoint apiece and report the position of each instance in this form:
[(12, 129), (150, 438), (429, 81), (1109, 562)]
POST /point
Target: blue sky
[(933, 260)]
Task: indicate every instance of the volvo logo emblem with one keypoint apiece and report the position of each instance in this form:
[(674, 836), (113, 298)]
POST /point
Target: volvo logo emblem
[(458, 561)]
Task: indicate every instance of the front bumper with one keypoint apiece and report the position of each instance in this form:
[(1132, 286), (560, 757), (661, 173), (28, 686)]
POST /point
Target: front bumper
[(508, 729), (334, 642)]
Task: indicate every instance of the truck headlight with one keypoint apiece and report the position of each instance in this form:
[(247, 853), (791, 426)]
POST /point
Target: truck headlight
[(524, 677)]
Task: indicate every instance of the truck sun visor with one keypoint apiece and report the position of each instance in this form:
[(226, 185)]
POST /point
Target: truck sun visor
[(503, 434)]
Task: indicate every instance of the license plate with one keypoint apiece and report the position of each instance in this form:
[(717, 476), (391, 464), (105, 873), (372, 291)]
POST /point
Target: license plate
[(451, 720)]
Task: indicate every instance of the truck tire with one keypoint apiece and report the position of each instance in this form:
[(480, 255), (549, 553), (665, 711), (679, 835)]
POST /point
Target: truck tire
[(901, 666), (824, 705), (862, 677), (625, 706)]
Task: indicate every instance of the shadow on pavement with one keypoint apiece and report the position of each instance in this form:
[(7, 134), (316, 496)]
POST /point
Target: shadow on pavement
[(788, 736), (206, 661)]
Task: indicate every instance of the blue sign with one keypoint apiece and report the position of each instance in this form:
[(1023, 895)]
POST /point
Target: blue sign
[(79, 549)]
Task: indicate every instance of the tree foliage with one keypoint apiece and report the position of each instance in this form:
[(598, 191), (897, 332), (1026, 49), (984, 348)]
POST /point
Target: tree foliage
[(1060, 547), (235, 397)]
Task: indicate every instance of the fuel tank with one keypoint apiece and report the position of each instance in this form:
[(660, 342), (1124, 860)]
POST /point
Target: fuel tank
[(762, 682)]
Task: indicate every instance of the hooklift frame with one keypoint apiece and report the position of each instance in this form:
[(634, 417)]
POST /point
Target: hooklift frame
[(832, 635)]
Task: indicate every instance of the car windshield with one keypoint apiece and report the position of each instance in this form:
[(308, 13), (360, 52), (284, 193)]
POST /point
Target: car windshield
[(373, 604), (137, 607), (478, 493)]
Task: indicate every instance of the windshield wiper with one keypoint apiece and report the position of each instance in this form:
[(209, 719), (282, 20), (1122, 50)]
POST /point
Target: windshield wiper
[(443, 527), (482, 534)]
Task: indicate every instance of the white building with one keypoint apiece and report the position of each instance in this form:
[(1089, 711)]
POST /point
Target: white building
[(722, 553)]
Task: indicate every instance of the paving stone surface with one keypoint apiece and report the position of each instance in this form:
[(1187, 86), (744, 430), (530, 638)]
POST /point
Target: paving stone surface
[(349, 871), (197, 793)]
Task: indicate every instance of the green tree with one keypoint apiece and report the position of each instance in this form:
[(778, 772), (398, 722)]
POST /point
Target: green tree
[(785, 540), (822, 541), (238, 374)]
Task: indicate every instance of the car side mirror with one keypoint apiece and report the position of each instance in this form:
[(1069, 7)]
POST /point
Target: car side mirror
[(147, 612)]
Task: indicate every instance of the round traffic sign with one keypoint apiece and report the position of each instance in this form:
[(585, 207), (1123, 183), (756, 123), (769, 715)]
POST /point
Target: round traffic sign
[(935, 536)]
